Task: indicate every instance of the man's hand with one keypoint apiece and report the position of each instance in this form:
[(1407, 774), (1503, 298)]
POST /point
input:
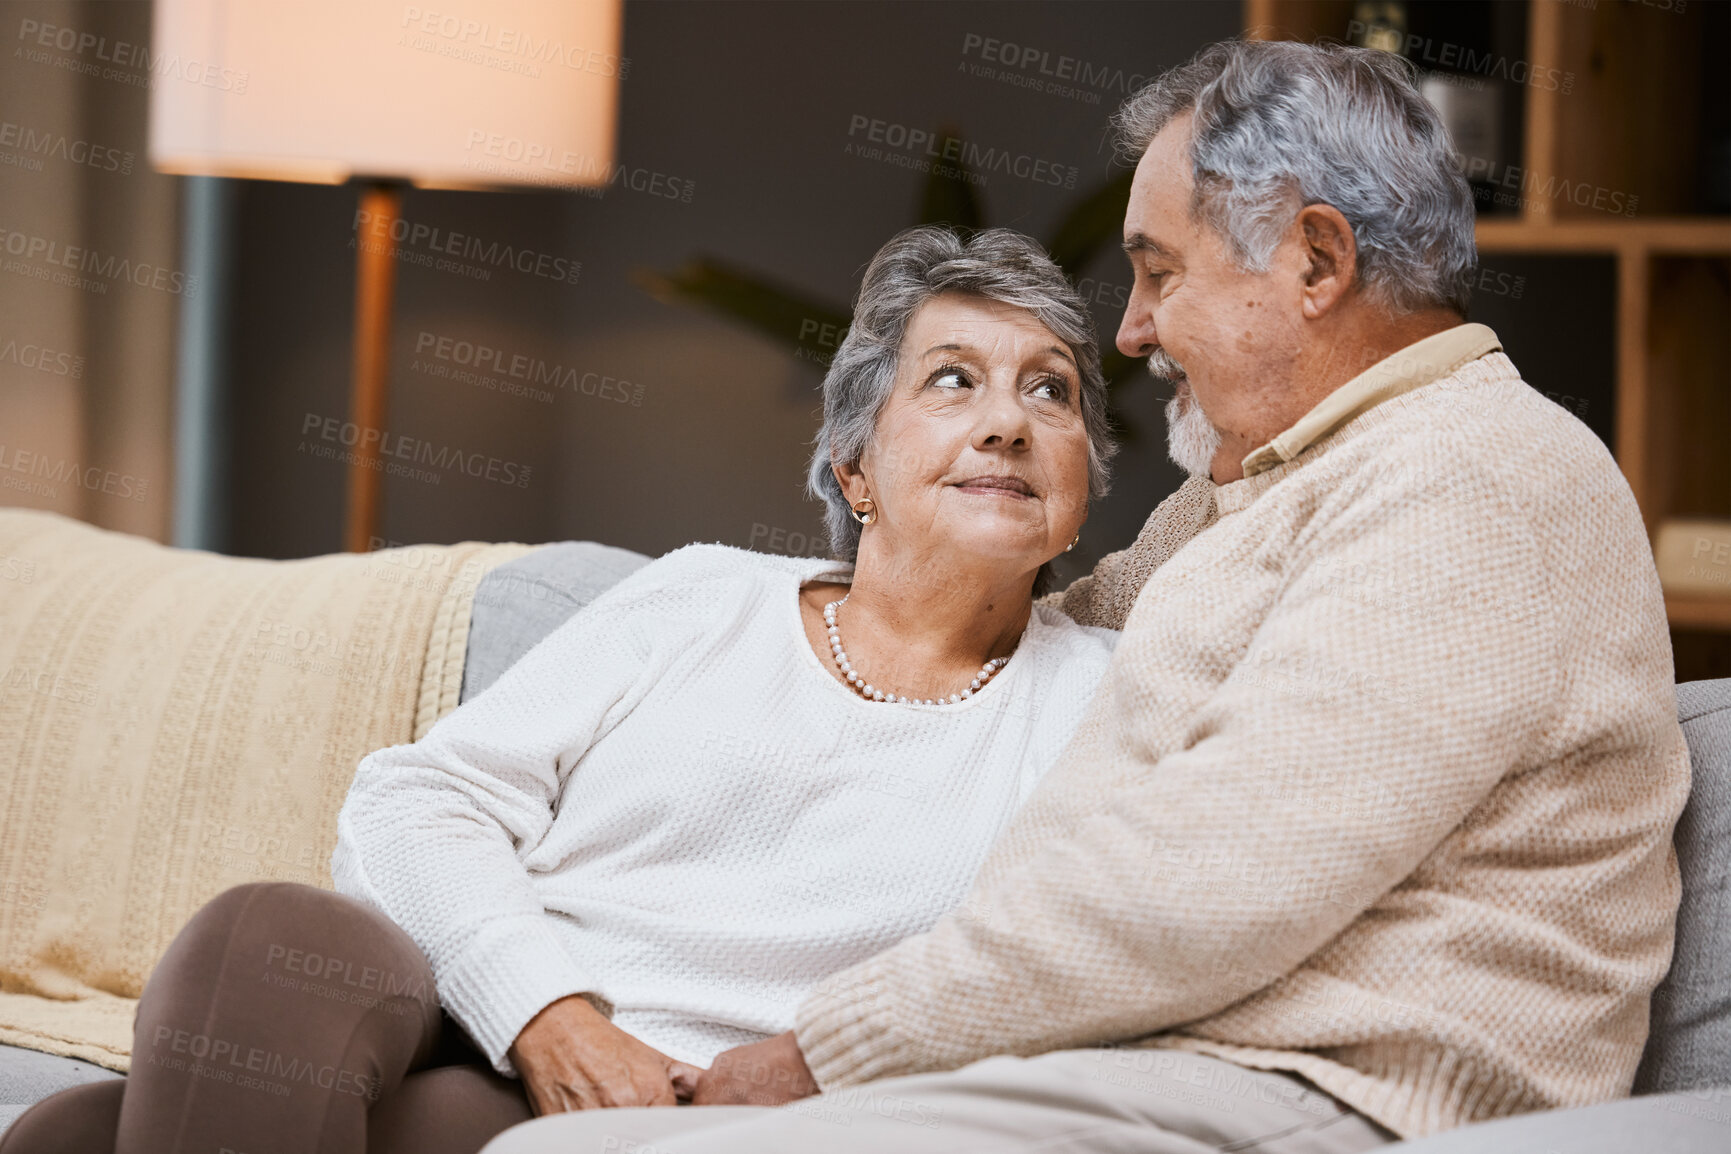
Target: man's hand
[(766, 1073), (572, 1058)]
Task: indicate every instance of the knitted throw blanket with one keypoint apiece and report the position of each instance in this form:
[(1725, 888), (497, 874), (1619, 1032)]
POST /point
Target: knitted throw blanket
[(173, 723)]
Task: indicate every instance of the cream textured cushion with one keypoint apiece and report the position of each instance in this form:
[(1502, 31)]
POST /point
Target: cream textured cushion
[(173, 723)]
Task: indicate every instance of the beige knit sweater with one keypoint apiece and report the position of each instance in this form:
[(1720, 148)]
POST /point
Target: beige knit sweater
[(1378, 788)]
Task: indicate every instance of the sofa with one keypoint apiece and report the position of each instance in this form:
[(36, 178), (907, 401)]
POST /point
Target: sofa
[(173, 723)]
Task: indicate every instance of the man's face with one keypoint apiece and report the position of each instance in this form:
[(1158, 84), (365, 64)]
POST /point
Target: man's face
[(1227, 339)]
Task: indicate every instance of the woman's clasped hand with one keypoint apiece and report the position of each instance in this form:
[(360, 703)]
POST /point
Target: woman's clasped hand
[(571, 1057)]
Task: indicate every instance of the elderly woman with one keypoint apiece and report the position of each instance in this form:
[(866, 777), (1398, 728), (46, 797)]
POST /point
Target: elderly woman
[(729, 777)]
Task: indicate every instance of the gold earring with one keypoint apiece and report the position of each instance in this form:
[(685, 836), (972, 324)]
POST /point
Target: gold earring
[(1073, 541), (865, 510)]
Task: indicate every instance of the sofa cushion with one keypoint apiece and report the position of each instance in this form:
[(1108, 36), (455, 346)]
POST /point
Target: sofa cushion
[(173, 723), (27, 1076), (1691, 1123), (524, 600), (1689, 1042)]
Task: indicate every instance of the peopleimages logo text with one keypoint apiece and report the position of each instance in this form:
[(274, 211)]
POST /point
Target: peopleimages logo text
[(379, 229), (367, 439), (1029, 58), (521, 366), (59, 146), (542, 162), (509, 41), (58, 471), (864, 131), (108, 266), (38, 35), (41, 358), (1491, 65)]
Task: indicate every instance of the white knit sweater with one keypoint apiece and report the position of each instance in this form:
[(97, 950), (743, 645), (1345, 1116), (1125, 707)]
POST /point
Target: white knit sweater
[(671, 805)]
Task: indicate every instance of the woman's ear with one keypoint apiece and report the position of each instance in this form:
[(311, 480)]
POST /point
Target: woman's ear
[(852, 480)]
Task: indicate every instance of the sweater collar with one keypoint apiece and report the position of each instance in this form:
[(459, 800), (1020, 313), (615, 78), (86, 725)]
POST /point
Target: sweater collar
[(1419, 363)]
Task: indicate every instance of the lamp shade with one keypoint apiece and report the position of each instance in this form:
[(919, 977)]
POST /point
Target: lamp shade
[(475, 93)]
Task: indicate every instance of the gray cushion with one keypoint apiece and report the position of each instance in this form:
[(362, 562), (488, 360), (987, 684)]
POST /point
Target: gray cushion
[(28, 1076), (522, 601), (1689, 1043), (1694, 1123)]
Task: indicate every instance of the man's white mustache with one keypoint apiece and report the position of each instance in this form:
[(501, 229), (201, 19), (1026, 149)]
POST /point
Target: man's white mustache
[(1161, 364)]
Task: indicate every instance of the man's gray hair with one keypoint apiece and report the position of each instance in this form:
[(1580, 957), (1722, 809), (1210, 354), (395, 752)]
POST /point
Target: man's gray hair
[(916, 265), (1278, 125)]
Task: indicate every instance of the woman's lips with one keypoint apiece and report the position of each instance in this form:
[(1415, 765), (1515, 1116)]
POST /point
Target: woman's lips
[(997, 486)]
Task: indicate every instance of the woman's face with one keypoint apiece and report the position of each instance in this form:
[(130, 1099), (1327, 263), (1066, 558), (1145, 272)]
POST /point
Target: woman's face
[(980, 454)]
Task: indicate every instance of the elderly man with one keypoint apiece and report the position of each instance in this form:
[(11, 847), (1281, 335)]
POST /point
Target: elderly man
[(1367, 833)]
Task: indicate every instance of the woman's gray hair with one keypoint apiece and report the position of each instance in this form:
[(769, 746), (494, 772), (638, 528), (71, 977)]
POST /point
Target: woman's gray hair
[(916, 265), (1278, 125)]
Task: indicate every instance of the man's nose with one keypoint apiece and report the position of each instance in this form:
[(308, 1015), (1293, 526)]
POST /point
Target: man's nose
[(1137, 336)]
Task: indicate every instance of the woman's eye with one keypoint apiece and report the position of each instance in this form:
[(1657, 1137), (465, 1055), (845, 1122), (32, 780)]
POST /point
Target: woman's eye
[(1052, 389), (951, 379)]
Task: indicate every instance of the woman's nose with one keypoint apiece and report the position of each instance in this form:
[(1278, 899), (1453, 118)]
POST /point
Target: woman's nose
[(1003, 420)]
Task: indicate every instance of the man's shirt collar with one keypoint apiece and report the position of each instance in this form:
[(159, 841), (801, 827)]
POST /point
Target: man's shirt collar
[(1420, 363)]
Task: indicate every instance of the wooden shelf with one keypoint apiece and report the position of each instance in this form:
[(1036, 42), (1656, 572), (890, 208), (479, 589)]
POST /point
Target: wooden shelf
[(1698, 611), (1670, 236), (1628, 126)]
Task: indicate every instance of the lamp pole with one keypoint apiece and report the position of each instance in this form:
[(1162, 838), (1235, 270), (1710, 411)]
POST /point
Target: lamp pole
[(381, 203), (202, 426)]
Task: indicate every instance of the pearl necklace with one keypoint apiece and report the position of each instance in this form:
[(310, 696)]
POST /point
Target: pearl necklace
[(872, 692)]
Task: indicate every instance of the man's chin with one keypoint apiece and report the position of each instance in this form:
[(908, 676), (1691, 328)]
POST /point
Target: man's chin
[(1191, 439)]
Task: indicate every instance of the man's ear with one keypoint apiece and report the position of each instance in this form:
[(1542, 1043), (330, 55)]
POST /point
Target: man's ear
[(1332, 253)]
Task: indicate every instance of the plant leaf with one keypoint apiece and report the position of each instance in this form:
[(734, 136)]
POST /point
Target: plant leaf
[(811, 326), (1095, 220)]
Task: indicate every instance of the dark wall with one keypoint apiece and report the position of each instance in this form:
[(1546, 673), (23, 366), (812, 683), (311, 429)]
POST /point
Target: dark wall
[(746, 107), (680, 425)]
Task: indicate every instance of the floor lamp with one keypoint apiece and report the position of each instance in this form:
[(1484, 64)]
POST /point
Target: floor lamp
[(511, 93), (370, 375)]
